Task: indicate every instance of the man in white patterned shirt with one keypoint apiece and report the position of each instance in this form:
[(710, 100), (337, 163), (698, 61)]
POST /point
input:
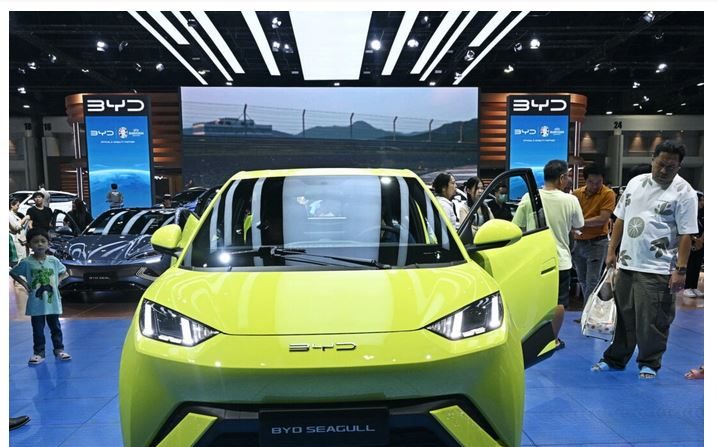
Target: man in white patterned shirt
[(660, 212)]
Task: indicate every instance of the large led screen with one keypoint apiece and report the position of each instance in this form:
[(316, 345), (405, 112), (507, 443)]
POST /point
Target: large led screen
[(118, 151), (425, 129), (538, 132)]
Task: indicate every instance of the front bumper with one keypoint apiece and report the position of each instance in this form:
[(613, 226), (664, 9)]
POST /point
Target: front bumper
[(467, 392), (451, 422), (119, 277)]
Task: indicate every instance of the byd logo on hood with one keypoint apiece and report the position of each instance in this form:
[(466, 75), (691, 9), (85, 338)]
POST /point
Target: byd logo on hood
[(126, 105)]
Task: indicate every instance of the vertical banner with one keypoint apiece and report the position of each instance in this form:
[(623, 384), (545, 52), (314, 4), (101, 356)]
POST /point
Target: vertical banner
[(537, 132), (118, 150)]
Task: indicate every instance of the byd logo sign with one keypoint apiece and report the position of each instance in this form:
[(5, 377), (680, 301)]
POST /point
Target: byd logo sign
[(547, 105), (125, 105)]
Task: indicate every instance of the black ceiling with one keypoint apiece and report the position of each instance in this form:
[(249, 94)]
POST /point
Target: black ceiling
[(598, 54)]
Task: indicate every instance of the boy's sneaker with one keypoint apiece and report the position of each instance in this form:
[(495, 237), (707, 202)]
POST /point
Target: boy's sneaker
[(36, 359), (698, 293), (690, 293), (62, 355)]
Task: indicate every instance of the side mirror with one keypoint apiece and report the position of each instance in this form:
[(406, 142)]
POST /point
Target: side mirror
[(65, 231), (166, 240), (496, 233)]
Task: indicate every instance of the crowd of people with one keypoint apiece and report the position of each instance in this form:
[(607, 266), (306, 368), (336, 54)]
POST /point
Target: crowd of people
[(653, 234)]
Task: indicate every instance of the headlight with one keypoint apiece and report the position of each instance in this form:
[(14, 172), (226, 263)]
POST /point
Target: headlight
[(482, 316), (160, 323)]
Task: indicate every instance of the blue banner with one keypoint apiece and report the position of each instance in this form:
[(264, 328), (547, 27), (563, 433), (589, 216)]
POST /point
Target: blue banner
[(537, 133), (119, 152)]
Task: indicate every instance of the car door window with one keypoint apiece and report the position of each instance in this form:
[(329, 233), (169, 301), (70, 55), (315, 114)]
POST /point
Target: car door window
[(512, 197)]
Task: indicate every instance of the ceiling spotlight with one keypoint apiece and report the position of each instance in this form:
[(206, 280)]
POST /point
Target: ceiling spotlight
[(228, 83), (509, 68), (287, 48), (608, 112), (101, 46), (425, 20), (412, 43), (683, 104), (203, 71), (457, 75), (84, 70), (160, 66), (26, 106), (613, 69), (21, 70), (518, 47), (648, 16), (596, 67), (337, 84), (122, 45), (535, 44), (138, 67), (661, 68), (21, 90), (470, 56), (432, 83), (52, 58), (276, 23), (636, 84), (32, 65), (192, 23), (375, 44), (669, 113), (700, 84), (276, 46), (635, 104), (658, 36), (659, 110), (646, 98), (295, 72)]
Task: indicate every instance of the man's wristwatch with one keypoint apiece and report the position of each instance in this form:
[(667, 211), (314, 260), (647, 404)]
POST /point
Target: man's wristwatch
[(681, 270)]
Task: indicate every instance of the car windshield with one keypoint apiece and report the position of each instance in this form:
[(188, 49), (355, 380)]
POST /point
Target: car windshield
[(130, 221), (327, 221)]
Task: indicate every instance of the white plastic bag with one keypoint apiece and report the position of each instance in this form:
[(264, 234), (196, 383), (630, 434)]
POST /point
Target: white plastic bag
[(600, 315)]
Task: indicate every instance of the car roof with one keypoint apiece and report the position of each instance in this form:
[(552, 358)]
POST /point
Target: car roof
[(51, 191), (323, 172)]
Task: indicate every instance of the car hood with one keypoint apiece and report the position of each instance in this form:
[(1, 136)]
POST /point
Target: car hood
[(326, 302), (108, 249)]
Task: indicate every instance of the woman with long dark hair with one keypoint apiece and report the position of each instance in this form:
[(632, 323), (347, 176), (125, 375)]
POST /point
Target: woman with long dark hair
[(444, 188), (80, 217)]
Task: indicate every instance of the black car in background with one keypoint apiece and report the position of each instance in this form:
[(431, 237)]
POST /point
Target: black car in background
[(114, 252)]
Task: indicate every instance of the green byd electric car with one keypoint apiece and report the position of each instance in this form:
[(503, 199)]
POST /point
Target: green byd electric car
[(336, 307)]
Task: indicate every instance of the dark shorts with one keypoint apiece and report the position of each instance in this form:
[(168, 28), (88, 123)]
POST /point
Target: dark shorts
[(564, 285)]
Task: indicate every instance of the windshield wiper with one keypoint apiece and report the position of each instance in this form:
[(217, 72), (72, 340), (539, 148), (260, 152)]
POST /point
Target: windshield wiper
[(299, 254), (276, 251)]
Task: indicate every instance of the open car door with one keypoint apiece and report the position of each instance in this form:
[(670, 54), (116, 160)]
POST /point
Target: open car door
[(526, 265)]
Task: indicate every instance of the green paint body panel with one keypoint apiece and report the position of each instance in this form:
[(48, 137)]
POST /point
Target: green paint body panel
[(464, 430), (188, 431), (383, 312)]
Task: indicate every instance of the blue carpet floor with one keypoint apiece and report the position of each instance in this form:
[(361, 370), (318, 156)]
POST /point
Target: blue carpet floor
[(75, 403)]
